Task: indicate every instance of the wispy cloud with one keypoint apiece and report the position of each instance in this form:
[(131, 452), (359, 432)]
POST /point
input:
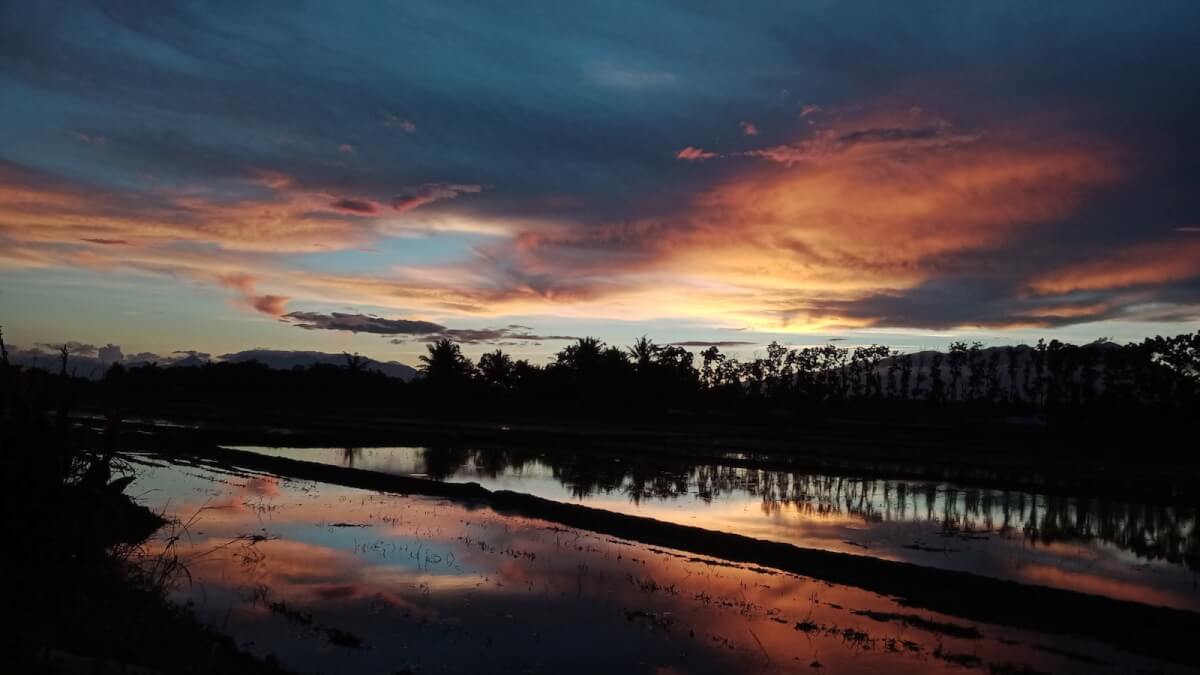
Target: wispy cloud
[(417, 197), (362, 323), (630, 78)]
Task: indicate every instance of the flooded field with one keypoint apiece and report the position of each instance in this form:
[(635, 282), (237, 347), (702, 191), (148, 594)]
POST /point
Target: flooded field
[(1140, 552), (336, 579)]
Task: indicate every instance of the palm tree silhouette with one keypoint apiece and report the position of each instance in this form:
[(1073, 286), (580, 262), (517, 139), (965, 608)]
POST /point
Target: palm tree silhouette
[(445, 363), (497, 369)]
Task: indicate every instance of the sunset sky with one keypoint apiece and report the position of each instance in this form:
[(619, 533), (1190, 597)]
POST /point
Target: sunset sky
[(226, 176)]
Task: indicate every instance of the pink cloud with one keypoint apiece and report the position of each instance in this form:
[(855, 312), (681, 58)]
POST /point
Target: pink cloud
[(693, 154), (275, 305), (238, 281), (347, 148), (748, 128)]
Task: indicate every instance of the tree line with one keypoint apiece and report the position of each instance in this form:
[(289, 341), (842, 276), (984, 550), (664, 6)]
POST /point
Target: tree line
[(1159, 373)]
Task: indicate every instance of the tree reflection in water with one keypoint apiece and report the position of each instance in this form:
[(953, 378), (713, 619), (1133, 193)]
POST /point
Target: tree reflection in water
[(1152, 532)]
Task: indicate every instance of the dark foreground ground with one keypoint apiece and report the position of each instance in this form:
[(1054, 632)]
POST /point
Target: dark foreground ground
[(80, 594)]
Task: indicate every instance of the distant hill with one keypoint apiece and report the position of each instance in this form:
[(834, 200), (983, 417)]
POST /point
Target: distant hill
[(91, 363), (284, 360)]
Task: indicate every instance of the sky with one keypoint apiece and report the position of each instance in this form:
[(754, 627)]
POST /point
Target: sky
[(369, 176)]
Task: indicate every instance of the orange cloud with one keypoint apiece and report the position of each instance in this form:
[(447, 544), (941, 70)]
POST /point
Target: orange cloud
[(693, 154), (1156, 263), (284, 221), (866, 207)]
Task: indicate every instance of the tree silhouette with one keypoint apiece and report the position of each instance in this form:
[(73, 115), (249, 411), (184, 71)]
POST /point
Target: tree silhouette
[(497, 370), (1156, 378), (445, 363), (643, 351)]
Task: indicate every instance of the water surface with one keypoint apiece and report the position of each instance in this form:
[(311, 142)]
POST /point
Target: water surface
[(1146, 553), (333, 579)]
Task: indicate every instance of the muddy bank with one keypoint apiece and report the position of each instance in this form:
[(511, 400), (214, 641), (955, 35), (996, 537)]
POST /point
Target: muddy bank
[(1131, 626)]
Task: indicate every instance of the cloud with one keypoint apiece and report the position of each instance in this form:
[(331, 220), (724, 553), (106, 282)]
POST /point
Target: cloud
[(1058, 161), (111, 353), (363, 206), (895, 202), (90, 139), (889, 135), (416, 330), (912, 135), (244, 284), (630, 78), (275, 305), (362, 323), (511, 334), (712, 343), (430, 192), (748, 128), (189, 358), (347, 148), (880, 205), (694, 154), (264, 214), (403, 124), (83, 360), (78, 348), (193, 353), (1151, 264)]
